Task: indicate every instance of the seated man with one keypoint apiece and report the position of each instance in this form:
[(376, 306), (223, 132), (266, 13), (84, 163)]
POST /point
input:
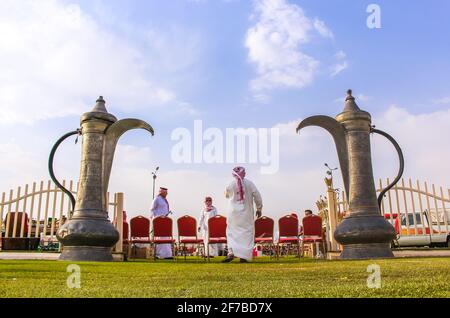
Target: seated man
[(315, 247), (308, 213)]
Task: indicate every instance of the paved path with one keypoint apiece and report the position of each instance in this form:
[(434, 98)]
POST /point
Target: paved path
[(38, 256), (422, 253), (28, 256), (409, 253)]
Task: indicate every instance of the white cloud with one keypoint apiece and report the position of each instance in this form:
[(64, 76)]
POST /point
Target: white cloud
[(205, 1), (338, 68), (442, 101), (323, 29), (340, 65), (274, 45), (55, 58), (340, 55), (17, 163), (363, 97), (421, 138), (172, 49), (262, 98)]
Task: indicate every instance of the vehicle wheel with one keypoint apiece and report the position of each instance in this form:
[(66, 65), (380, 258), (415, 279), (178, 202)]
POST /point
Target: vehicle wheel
[(448, 241)]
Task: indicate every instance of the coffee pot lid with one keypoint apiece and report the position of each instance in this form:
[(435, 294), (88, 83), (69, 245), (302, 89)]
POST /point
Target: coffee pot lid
[(350, 104)]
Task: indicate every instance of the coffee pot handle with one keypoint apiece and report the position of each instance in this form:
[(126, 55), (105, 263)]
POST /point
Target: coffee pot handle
[(50, 165), (401, 167)]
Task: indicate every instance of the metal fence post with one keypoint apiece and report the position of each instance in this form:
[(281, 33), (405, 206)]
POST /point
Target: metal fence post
[(332, 213), (119, 221)]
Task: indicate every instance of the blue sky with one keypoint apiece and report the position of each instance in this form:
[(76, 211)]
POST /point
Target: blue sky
[(172, 62)]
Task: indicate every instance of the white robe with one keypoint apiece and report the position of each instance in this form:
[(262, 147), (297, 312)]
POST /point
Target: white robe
[(159, 208), (240, 221), (203, 224)]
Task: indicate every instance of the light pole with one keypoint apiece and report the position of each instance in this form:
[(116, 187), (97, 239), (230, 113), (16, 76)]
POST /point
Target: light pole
[(154, 180), (332, 204), (330, 173), (330, 170)]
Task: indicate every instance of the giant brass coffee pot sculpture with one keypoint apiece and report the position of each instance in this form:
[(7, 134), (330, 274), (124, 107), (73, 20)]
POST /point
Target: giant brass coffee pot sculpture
[(88, 235), (364, 233)]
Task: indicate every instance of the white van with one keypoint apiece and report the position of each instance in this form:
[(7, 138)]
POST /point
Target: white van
[(418, 232)]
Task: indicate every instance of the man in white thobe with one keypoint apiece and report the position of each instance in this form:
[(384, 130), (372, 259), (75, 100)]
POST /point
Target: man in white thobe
[(240, 222), (160, 207), (208, 212)]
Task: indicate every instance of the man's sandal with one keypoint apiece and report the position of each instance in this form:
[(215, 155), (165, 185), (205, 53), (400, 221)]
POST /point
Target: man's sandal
[(228, 259)]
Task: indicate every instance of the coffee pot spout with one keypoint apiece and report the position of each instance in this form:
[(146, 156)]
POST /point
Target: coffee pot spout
[(338, 133), (112, 136)]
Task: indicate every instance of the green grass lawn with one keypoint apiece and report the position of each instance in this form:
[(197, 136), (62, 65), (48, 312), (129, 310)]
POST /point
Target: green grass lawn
[(288, 277)]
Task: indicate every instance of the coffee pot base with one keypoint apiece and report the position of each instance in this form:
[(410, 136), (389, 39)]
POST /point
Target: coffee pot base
[(86, 254), (366, 251)]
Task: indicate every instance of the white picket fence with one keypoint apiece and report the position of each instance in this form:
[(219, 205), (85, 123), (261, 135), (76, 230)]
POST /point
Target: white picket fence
[(46, 208), (420, 213)]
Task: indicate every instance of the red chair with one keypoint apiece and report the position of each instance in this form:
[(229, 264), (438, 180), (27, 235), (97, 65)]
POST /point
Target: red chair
[(394, 217), (187, 234), (289, 233), (140, 231), (10, 227), (126, 233), (125, 228), (12, 240), (162, 233), (312, 231), (264, 232), (217, 231)]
